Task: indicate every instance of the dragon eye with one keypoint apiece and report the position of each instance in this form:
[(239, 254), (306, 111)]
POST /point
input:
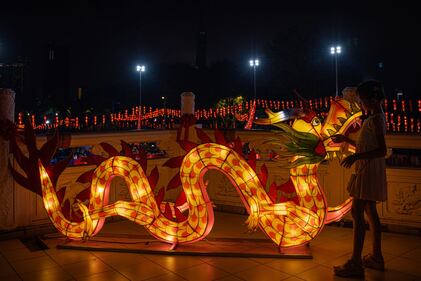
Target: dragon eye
[(315, 121)]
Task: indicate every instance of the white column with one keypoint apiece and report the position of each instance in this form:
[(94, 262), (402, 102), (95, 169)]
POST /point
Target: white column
[(187, 103), (7, 111)]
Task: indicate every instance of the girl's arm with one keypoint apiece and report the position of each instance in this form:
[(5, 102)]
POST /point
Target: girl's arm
[(379, 152), (342, 138)]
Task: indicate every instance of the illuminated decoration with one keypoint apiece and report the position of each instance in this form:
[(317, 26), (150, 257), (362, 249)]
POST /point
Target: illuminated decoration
[(309, 144), (141, 210), (54, 166), (251, 116), (222, 117), (290, 220)]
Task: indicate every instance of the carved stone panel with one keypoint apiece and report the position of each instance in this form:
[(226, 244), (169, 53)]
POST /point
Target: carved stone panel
[(119, 190), (221, 190), (403, 206), (404, 199)]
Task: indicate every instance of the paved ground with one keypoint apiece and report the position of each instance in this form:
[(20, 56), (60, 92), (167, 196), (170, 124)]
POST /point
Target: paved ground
[(333, 246)]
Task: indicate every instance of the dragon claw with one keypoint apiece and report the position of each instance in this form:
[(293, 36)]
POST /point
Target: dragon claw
[(87, 232), (252, 222)]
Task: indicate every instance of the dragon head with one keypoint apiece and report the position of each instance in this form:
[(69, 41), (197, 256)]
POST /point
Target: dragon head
[(309, 139)]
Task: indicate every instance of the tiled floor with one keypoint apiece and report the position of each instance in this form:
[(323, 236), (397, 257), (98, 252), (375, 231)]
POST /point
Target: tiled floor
[(333, 246)]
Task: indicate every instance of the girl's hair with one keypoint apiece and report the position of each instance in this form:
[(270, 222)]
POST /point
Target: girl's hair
[(371, 89)]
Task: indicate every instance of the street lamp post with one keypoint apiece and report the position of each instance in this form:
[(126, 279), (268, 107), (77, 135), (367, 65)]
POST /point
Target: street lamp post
[(336, 51), (163, 102), (254, 63), (140, 69), (164, 110)]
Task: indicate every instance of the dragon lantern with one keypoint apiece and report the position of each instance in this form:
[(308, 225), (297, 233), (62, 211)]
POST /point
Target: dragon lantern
[(290, 223)]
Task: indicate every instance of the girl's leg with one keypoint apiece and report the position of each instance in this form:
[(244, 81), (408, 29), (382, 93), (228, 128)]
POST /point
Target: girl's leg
[(359, 228), (354, 266), (375, 227)]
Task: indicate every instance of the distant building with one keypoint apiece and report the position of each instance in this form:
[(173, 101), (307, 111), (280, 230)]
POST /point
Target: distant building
[(201, 46), (11, 76), (201, 50), (56, 81)]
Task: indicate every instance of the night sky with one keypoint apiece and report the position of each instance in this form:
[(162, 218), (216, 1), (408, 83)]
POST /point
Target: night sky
[(98, 45)]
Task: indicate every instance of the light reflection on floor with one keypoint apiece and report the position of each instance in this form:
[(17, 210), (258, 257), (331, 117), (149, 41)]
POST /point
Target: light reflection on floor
[(333, 246)]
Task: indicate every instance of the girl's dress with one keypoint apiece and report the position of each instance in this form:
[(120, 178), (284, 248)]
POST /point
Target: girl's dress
[(370, 181)]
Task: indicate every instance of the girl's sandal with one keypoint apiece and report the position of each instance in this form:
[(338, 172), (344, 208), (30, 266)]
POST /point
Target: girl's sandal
[(370, 261), (349, 269)]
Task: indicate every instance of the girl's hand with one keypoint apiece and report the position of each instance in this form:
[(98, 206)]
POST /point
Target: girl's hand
[(347, 162), (340, 138)]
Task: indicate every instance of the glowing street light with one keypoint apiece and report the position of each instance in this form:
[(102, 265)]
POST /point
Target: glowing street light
[(140, 69), (336, 51), (254, 63), (163, 102)]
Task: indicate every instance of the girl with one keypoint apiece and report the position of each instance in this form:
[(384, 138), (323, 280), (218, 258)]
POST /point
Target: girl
[(370, 181)]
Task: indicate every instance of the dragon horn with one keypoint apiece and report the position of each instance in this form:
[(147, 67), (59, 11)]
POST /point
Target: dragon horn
[(276, 117)]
